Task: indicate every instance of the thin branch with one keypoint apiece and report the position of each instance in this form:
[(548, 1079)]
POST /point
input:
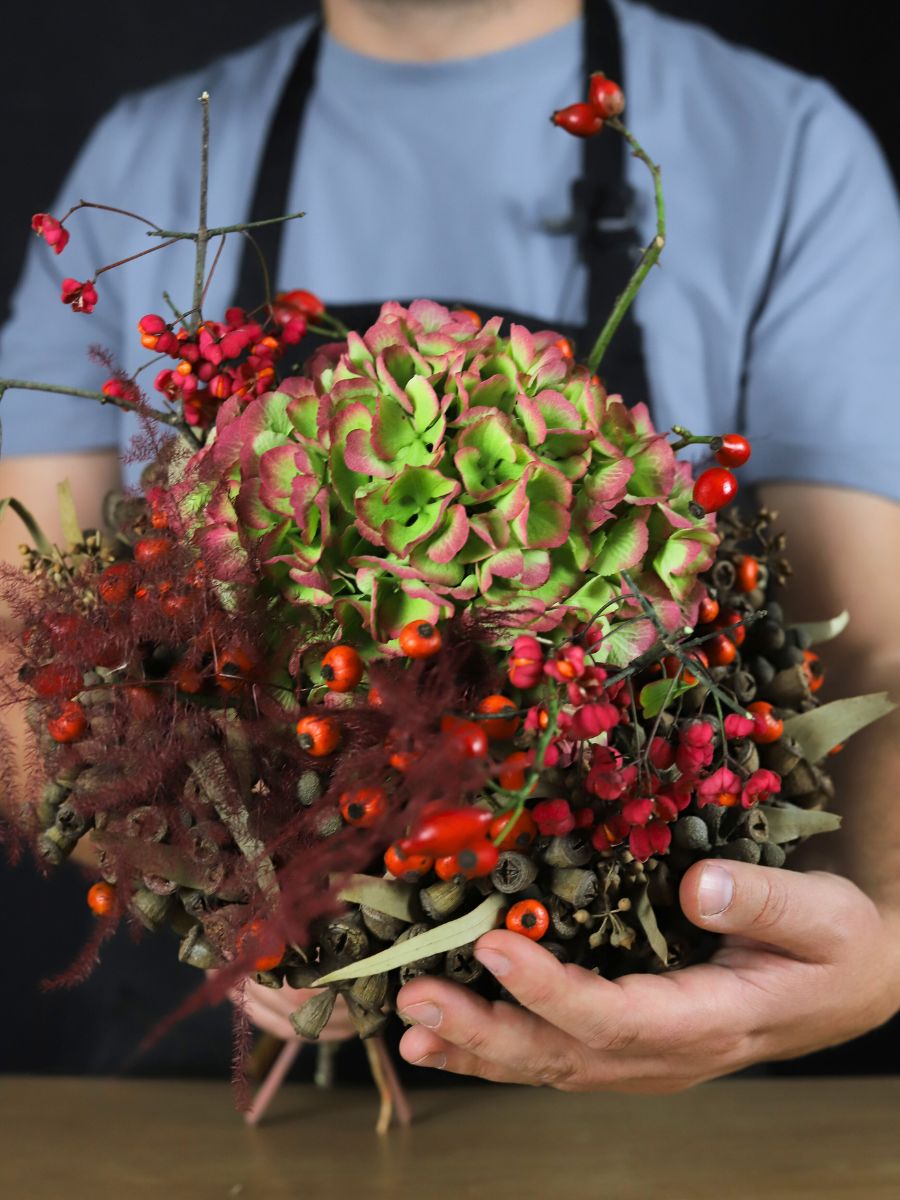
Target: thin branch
[(219, 230), (648, 259), (122, 212), (212, 271), (131, 257), (202, 235), (142, 409)]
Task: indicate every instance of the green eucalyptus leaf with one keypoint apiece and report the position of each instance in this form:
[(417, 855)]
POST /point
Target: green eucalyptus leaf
[(39, 538), (824, 631), (787, 822), (821, 729), (444, 937)]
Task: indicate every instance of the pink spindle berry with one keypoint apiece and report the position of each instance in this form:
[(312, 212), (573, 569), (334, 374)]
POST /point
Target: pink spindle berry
[(81, 296), (526, 662), (51, 231)]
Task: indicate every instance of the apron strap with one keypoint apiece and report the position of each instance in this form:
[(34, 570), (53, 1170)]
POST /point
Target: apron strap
[(601, 206)]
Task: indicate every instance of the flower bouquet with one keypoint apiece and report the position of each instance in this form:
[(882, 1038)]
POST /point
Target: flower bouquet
[(427, 634)]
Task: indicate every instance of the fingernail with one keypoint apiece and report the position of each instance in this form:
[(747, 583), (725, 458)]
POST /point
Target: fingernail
[(425, 1014), (437, 1061), (716, 891), (497, 964)]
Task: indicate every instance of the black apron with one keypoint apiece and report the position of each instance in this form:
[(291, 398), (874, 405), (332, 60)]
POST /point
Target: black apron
[(601, 219)]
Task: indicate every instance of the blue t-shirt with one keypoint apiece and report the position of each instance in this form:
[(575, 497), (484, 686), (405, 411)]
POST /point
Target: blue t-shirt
[(776, 310)]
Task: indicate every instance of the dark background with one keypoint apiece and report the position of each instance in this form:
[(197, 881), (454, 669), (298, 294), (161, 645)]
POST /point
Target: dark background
[(62, 66)]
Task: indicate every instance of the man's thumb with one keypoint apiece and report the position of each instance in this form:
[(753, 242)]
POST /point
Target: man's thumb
[(799, 913)]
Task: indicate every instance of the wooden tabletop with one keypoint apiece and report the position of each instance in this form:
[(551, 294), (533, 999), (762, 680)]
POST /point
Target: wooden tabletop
[(70, 1139)]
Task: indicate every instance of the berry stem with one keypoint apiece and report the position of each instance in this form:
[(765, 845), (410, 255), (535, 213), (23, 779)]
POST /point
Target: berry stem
[(648, 259), (714, 441), (122, 212)]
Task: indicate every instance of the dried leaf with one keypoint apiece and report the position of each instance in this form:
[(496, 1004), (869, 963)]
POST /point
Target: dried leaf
[(37, 535), (436, 941), (643, 910), (823, 728), (824, 631), (68, 516), (788, 822), (390, 896)]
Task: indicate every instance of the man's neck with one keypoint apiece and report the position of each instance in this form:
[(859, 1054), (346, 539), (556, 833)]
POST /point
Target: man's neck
[(432, 30)]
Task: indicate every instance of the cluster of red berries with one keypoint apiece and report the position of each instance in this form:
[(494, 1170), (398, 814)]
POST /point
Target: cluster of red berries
[(584, 120), (220, 359)]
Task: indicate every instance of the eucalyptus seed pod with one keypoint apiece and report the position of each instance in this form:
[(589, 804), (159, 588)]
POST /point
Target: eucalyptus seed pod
[(53, 794), (152, 911), (788, 656), (571, 850), (773, 855), (712, 816), (574, 885), (746, 754), (345, 939), (461, 965), (768, 635), (312, 1016), (196, 951), (300, 974), (514, 872), (442, 899), (799, 637), (558, 950), (781, 756), (53, 846), (755, 825), (562, 918), (799, 782), (744, 686), (743, 849), (381, 925), (269, 979), (329, 823), (159, 885), (147, 822), (70, 820), (422, 966), (693, 701), (309, 788), (366, 1023), (370, 991), (94, 778), (789, 687), (722, 575), (761, 670), (691, 833)]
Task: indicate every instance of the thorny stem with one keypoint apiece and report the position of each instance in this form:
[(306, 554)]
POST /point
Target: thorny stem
[(201, 237), (648, 259)]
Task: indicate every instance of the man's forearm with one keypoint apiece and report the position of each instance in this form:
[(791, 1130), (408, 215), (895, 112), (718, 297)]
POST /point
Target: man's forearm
[(867, 781)]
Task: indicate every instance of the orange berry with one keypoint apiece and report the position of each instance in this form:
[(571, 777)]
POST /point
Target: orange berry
[(530, 918), (318, 736), (101, 899), (419, 639), (498, 729)]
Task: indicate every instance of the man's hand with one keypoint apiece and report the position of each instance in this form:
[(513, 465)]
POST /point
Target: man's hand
[(808, 962)]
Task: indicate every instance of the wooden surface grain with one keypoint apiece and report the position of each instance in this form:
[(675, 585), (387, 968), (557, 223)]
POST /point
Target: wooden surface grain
[(815, 1139)]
